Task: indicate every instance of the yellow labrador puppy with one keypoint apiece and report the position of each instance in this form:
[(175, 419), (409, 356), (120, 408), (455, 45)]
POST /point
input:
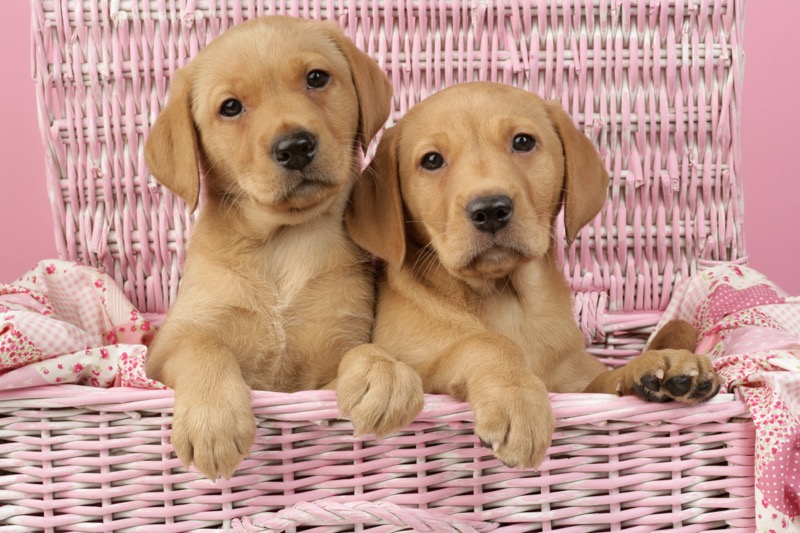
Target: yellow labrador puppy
[(276, 112), (461, 201)]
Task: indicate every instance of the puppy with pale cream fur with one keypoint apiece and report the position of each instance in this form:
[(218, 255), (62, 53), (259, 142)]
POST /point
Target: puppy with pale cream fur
[(275, 112), (461, 202)]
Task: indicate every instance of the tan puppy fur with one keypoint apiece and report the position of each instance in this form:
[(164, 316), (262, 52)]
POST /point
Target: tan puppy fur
[(486, 316), (274, 293)]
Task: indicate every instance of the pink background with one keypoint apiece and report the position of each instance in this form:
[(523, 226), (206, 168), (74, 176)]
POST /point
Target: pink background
[(770, 145)]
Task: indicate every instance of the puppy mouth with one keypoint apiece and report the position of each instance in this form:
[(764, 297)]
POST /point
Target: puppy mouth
[(306, 183), (495, 260), (305, 190)]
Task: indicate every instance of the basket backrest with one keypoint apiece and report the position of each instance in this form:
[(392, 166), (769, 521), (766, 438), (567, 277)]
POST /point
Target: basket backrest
[(656, 84)]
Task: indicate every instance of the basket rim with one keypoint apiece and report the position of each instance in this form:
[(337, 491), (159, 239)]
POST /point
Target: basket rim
[(568, 408)]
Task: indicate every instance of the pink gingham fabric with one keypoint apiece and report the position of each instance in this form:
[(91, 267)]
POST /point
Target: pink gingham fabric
[(751, 329), (63, 322)]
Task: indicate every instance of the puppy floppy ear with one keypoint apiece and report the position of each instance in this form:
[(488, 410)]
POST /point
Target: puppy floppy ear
[(171, 149), (374, 216), (373, 88), (585, 179)]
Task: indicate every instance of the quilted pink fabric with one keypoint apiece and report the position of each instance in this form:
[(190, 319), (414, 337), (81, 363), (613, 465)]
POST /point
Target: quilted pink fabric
[(67, 323), (751, 329)]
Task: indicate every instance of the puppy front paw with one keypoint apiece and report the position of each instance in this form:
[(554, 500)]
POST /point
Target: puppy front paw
[(377, 392), (664, 375), (516, 423), (213, 431)]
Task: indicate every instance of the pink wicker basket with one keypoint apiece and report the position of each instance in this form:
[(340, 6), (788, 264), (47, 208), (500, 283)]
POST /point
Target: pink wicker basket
[(655, 83)]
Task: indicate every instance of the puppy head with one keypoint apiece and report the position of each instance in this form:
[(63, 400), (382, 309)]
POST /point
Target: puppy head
[(274, 110), (478, 172)]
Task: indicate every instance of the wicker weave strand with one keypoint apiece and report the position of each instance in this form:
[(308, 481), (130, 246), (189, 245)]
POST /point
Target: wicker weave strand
[(328, 513)]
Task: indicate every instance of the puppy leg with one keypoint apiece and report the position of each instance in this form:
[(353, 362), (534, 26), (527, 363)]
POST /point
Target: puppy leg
[(512, 409), (675, 335), (213, 424), (668, 371), (379, 393)]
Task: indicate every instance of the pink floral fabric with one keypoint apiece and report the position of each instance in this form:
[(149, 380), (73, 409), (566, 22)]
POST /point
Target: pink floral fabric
[(67, 323), (751, 330)]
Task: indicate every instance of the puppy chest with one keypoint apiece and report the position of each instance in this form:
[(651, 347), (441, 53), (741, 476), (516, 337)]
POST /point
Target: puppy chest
[(300, 331), (545, 330), (508, 317)]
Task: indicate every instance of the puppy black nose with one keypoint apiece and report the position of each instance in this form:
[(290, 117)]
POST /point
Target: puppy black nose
[(295, 151), (490, 213)]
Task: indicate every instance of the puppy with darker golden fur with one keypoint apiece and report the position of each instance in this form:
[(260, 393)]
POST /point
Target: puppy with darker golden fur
[(276, 112), (461, 201)]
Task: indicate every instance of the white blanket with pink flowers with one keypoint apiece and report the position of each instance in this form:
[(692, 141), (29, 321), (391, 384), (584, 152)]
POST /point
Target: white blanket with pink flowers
[(751, 330), (67, 323)]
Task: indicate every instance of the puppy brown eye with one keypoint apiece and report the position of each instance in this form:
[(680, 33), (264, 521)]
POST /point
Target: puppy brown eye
[(231, 108), (432, 161), (316, 79), (523, 143)]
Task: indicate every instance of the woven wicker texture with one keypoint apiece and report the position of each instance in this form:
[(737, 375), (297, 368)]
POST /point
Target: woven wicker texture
[(655, 83), (78, 459)]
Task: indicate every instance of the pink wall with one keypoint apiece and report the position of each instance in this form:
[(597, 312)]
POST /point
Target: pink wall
[(26, 226), (770, 145), (770, 140)]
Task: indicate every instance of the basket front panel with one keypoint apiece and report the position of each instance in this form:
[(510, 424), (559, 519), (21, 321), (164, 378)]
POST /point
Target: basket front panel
[(655, 84), (100, 460)]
